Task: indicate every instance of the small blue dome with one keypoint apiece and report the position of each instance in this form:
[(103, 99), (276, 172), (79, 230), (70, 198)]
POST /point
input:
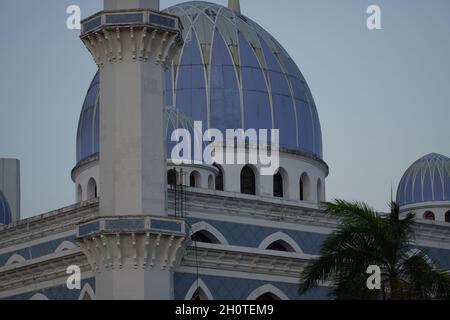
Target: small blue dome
[(230, 74), (5, 211), (428, 179)]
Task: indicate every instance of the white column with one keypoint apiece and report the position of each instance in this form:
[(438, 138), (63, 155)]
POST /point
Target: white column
[(132, 157), (132, 258)]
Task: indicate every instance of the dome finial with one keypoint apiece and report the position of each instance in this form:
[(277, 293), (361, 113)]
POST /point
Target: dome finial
[(234, 5), (131, 4)]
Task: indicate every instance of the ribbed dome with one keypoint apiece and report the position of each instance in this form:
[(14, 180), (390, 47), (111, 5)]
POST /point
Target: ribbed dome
[(230, 74), (428, 179), (5, 211)]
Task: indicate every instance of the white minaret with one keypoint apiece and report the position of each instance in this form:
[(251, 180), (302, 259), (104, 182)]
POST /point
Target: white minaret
[(134, 244), (234, 5)]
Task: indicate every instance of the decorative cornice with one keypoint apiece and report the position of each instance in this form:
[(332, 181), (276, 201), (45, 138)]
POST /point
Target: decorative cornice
[(132, 242), (41, 269), (434, 232), (136, 35), (262, 262), (48, 224), (217, 203), (84, 164), (424, 205)]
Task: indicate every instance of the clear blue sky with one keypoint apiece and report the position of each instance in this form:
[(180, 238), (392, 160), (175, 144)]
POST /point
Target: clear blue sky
[(383, 96)]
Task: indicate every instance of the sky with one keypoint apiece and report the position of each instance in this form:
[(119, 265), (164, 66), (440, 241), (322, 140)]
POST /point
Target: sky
[(382, 95)]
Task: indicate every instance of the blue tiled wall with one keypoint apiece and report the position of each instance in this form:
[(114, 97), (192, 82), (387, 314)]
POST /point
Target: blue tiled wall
[(224, 288), (36, 251), (56, 293), (440, 256), (245, 235)]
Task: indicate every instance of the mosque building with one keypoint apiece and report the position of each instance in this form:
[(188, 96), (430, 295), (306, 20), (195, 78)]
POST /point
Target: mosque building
[(193, 231)]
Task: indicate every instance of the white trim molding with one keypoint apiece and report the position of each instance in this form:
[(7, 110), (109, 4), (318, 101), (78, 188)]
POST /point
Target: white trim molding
[(15, 258), (204, 226), (39, 296), (66, 246), (277, 237), (87, 289), (199, 284), (268, 288)]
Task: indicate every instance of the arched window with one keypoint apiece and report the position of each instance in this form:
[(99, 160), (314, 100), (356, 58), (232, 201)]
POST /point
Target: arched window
[(79, 193), (267, 292), (280, 245), (320, 197), (211, 184), (87, 293), (65, 246), (199, 295), (447, 217), (304, 187), (219, 179), (278, 191), (194, 179), (86, 296), (39, 296), (199, 291), (204, 236), (172, 177), (268, 296), (248, 181), (15, 258), (92, 189), (429, 216)]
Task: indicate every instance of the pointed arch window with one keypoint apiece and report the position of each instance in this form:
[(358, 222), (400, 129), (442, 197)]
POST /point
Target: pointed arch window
[(248, 181), (204, 236), (269, 296), (92, 191), (304, 186), (278, 190), (194, 179), (280, 245), (219, 179), (172, 177)]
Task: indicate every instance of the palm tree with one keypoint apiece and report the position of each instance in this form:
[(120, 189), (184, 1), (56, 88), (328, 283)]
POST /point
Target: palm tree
[(366, 238)]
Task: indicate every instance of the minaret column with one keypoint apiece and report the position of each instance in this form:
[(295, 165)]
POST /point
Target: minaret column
[(131, 46), (133, 245)]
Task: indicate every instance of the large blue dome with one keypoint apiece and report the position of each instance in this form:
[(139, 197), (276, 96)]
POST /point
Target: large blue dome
[(5, 211), (428, 179), (230, 74)]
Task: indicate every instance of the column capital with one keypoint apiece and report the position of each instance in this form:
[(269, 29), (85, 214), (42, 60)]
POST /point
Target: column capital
[(118, 243), (132, 35)]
